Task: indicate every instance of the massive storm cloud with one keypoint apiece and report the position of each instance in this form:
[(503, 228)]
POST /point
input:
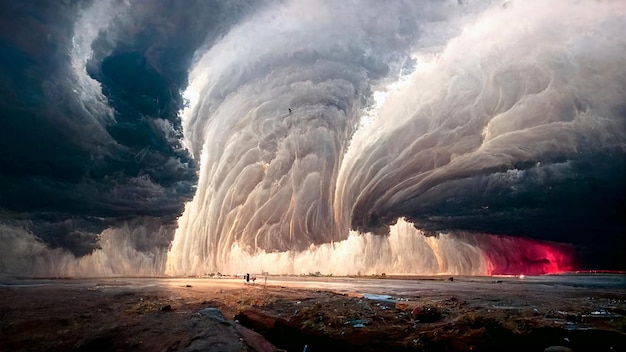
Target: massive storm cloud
[(471, 137)]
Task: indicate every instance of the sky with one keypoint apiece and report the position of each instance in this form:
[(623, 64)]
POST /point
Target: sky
[(171, 121)]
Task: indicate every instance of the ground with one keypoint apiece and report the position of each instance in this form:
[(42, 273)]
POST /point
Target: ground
[(423, 314)]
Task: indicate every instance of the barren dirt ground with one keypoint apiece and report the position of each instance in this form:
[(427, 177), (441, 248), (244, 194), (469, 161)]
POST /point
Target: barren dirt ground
[(323, 314)]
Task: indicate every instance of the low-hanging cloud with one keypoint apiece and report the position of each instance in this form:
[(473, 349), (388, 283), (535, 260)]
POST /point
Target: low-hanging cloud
[(498, 117), (90, 124), (274, 105), (505, 119), (519, 111)]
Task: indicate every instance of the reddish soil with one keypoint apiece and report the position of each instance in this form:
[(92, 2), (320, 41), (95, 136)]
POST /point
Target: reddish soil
[(117, 317)]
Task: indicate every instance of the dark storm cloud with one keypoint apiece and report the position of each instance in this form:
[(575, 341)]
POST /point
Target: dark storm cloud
[(89, 99), (516, 125), (267, 177), (518, 128)]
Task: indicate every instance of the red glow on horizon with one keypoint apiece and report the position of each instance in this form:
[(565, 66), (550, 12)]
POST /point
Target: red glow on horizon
[(521, 256)]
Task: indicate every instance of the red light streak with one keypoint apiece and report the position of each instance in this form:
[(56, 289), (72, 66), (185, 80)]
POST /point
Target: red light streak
[(521, 256)]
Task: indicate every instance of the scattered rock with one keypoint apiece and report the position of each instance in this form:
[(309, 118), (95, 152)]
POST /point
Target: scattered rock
[(558, 349), (450, 279), (354, 295), (209, 331), (426, 314), (256, 342), (258, 321), (166, 308), (213, 313), (574, 317), (401, 305), (359, 323), (117, 321)]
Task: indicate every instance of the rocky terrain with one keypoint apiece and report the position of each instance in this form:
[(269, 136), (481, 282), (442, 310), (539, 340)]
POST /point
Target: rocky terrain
[(116, 315)]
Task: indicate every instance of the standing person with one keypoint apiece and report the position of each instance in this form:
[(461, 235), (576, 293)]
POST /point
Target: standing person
[(247, 278)]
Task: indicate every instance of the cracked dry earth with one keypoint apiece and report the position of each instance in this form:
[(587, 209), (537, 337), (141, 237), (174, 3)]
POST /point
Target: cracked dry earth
[(115, 315)]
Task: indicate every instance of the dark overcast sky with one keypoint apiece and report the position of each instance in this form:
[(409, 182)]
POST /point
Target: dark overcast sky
[(67, 164), (76, 162)]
